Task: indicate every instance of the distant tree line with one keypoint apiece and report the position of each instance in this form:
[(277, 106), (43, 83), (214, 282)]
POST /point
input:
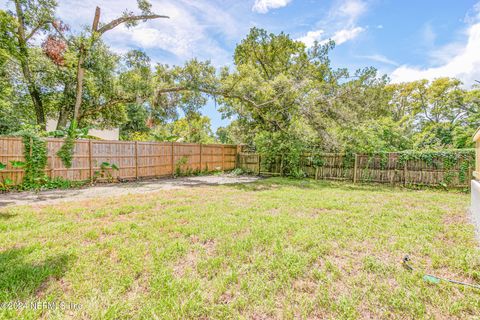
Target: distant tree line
[(283, 96)]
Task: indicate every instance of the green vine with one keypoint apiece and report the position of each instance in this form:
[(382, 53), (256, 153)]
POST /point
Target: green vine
[(456, 163), (348, 160), (464, 167), (317, 160), (35, 154), (65, 153), (462, 159)]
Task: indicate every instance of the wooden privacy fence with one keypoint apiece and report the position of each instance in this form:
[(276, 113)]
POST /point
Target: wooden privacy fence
[(387, 168), (134, 159)]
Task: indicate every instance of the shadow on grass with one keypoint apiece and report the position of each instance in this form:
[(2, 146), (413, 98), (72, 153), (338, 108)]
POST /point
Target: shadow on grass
[(5, 203), (311, 184), (6, 215), (21, 279)]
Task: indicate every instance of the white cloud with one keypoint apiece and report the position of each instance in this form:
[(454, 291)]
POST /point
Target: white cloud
[(195, 28), (340, 36), (380, 58), (340, 25), (428, 35), (464, 64), (345, 35), (352, 9), (311, 36), (473, 15), (263, 6)]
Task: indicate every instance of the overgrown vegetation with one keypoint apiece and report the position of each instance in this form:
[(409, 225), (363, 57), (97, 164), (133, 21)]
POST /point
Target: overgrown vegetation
[(276, 87), (35, 154), (456, 163), (275, 248), (105, 171), (34, 166)]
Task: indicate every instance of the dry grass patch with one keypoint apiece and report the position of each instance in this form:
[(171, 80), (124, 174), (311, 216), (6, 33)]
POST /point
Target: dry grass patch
[(277, 248)]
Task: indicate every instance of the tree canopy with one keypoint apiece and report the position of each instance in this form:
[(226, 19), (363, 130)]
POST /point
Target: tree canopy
[(280, 94)]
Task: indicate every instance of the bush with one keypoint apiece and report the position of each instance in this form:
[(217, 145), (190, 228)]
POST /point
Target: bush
[(286, 148)]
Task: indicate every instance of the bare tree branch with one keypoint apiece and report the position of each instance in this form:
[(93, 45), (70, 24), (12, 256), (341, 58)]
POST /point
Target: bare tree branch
[(116, 22), (96, 19), (34, 30), (59, 32), (214, 92)]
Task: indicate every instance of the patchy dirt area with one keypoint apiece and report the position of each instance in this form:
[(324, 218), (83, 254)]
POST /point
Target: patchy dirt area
[(117, 189)]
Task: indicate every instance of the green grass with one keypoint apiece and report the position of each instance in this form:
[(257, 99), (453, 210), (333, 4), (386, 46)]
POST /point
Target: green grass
[(277, 248)]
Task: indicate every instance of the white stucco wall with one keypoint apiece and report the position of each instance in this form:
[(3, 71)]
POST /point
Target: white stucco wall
[(106, 134), (475, 205), (111, 134)]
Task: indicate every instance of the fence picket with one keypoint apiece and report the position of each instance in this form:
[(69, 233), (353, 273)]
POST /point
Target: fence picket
[(365, 169), (134, 159)]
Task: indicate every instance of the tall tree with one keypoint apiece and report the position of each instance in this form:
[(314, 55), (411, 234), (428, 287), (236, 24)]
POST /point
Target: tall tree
[(32, 17), (85, 43)]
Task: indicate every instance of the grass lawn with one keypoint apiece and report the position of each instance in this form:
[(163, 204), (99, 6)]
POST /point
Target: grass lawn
[(274, 249)]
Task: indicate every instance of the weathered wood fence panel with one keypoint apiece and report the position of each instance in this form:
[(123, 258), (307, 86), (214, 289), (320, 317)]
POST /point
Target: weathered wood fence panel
[(387, 168), (134, 159), (11, 149), (249, 162)]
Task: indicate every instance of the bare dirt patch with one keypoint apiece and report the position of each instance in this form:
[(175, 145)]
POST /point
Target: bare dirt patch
[(118, 189)]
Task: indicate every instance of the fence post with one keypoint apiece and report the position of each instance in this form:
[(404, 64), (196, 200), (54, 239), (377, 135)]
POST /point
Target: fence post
[(405, 173), (172, 166), (316, 173), (90, 159), (281, 165), (136, 160), (201, 151), (355, 166), (237, 158), (30, 151), (223, 157), (259, 163)]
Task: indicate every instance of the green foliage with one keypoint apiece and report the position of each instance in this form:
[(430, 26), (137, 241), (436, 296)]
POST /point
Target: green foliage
[(280, 247), (179, 165), (275, 85), (65, 153), (105, 172), (8, 45), (438, 114), (6, 183), (193, 128), (238, 172), (60, 183), (236, 133), (463, 159), (136, 124), (223, 135), (35, 154), (281, 149), (317, 160)]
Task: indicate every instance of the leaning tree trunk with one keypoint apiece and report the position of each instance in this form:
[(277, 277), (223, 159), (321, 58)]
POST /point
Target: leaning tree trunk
[(65, 107), (32, 87), (97, 33), (79, 88)]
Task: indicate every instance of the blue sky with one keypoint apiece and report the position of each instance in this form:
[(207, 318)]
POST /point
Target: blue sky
[(405, 39)]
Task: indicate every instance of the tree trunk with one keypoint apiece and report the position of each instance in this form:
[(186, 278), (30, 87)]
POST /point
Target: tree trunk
[(32, 87), (96, 32), (62, 118), (66, 107), (79, 88)]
